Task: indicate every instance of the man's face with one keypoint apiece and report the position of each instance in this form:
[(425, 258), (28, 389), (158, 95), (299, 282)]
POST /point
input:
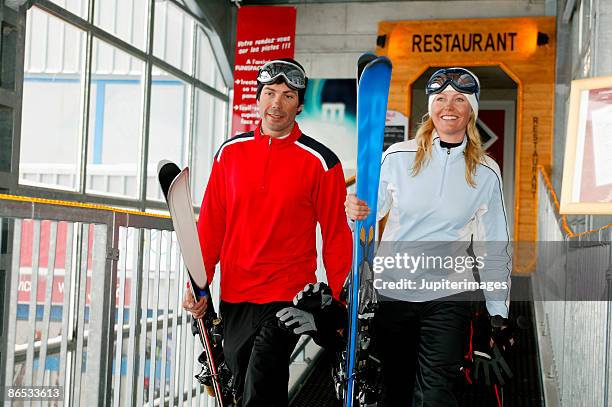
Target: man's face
[(278, 105)]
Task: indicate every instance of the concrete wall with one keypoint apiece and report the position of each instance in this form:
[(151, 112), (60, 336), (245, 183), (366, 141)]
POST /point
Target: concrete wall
[(603, 63), (330, 37), (584, 50)]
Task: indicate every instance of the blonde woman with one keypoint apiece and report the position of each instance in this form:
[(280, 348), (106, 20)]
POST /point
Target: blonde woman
[(443, 197)]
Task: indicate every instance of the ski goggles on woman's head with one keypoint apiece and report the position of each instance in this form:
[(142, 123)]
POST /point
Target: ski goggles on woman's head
[(460, 79), (293, 74)]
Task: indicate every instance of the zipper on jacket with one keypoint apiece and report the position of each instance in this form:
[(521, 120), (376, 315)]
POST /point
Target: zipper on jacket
[(444, 172), (265, 172)]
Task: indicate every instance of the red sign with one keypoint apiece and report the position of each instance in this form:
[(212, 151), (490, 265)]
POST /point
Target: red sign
[(57, 290), (263, 34), (27, 237)]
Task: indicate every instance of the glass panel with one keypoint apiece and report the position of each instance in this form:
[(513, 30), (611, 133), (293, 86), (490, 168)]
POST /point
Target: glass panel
[(78, 7), (207, 69), (210, 132), (6, 138), (169, 127), (173, 35), (124, 18), (219, 82), (205, 60), (7, 56), (51, 103), (575, 52), (586, 17), (112, 160), (109, 60)]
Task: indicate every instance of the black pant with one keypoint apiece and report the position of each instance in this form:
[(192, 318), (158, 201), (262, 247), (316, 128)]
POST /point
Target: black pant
[(257, 352), (421, 346)]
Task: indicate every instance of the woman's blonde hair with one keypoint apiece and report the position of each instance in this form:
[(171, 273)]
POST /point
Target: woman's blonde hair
[(473, 153)]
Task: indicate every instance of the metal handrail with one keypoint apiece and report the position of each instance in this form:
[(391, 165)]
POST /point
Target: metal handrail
[(563, 218), (93, 384), (574, 333), (108, 268)]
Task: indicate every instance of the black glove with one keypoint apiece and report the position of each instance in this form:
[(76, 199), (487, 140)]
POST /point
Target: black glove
[(313, 297), (492, 365), (493, 338), (505, 331), (317, 314), (300, 319)]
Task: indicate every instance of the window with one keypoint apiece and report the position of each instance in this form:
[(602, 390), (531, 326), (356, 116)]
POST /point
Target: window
[(112, 111), (209, 134), (116, 92), (50, 118), (173, 40), (169, 128), (126, 19), (207, 69)]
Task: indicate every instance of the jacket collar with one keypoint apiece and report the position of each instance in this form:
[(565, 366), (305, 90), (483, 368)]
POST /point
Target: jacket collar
[(455, 152), (293, 136)]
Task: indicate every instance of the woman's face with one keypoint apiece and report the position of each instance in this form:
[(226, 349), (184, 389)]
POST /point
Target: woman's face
[(450, 112)]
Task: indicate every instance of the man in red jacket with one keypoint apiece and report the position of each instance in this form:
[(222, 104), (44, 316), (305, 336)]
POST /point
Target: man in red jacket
[(267, 191)]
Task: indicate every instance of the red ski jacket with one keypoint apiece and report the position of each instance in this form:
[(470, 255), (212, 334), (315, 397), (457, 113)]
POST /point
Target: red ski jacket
[(259, 216)]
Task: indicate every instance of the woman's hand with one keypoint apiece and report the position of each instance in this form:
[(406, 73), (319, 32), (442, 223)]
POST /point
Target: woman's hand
[(355, 208)]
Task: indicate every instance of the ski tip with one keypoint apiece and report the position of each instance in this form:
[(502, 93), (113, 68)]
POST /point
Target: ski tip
[(384, 60), (367, 56), (167, 171), (364, 60), (377, 61), (162, 163)]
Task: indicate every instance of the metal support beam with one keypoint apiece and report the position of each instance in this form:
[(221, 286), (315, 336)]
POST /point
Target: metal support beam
[(569, 11), (146, 107)]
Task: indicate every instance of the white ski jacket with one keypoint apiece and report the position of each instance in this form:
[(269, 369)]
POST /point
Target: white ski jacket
[(438, 205)]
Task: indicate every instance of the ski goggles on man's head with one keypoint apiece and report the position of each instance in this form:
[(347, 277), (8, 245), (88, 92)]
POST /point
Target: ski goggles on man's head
[(294, 75), (460, 79)]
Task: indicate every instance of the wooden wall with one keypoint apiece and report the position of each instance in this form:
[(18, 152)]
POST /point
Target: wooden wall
[(511, 44)]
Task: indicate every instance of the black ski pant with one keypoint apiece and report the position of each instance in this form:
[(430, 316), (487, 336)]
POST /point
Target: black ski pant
[(257, 352), (421, 346)]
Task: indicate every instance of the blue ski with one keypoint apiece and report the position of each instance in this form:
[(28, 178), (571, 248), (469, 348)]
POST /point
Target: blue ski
[(374, 77)]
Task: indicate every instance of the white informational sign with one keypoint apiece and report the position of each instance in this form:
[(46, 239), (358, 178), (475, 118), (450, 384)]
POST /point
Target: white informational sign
[(602, 145), (396, 128)]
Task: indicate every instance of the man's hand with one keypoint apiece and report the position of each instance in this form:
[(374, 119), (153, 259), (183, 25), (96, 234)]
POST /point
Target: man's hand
[(197, 309), (297, 321), (355, 208), (313, 297)]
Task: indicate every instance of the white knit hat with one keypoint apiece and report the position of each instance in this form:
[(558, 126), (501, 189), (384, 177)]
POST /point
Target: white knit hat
[(471, 97)]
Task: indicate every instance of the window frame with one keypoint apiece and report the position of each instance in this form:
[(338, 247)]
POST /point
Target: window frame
[(147, 56)]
